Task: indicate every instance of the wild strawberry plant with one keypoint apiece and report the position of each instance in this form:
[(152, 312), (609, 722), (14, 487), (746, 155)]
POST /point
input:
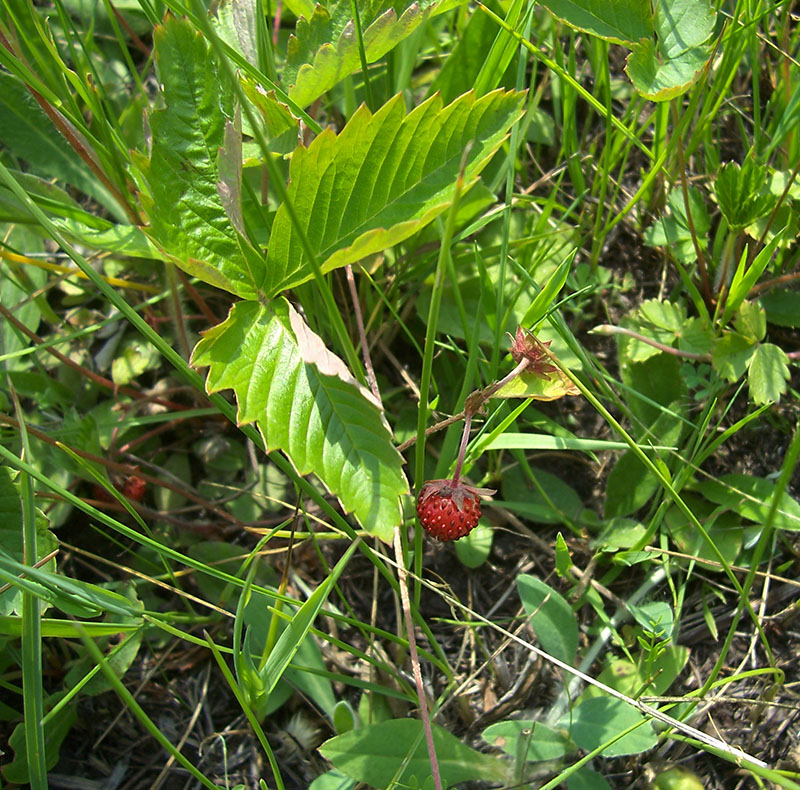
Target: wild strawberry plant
[(267, 171)]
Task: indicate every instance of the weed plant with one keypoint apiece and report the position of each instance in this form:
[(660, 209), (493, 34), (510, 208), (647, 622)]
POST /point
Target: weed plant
[(267, 268)]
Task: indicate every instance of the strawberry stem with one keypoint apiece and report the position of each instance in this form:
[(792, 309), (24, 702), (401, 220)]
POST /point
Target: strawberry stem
[(474, 403)]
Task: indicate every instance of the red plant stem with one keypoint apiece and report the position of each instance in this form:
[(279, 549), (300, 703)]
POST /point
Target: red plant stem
[(402, 576), (701, 261), (609, 329), (474, 403), (498, 385), (463, 448), (362, 334)]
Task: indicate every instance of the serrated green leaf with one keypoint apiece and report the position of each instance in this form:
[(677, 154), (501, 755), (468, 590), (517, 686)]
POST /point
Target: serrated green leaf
[(742, 193), (619, 21), (324, 47), (695, 336), (187, 218), (325, 422), (767, 374), (383, 178), (731, 355), (663, 70)]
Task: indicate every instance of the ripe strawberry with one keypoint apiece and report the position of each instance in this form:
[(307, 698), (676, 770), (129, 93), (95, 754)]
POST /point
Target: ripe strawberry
[(448, 510)]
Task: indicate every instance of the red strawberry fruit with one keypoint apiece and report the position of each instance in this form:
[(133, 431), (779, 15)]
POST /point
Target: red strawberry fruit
[(449, 510)]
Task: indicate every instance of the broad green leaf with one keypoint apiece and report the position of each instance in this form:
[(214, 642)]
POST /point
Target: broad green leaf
[(656, 388), (560, 500), (597, 720), (55, 730), (664, 70), (783, 308), (678, 778), (750, 497), (682, 25), (619, 21), (731, 355), (619, 533), (751, 320), (527, 740), (768, 374), (724, 529), (307, 405), (552, 618), (11, 543), (187, 219), (696, 336), (332, 780), (375, 754), (630, 486), (473, 550), (383, 178), (324, 50), (344, 718), (119, 238), (644, 677), (655, 617), (587, 779), (550, 385), (659, 80), (131, 360)]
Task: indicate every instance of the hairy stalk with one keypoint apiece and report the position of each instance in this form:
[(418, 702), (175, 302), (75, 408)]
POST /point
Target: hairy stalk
[(362, 335), (402, 575), (610, 329)]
